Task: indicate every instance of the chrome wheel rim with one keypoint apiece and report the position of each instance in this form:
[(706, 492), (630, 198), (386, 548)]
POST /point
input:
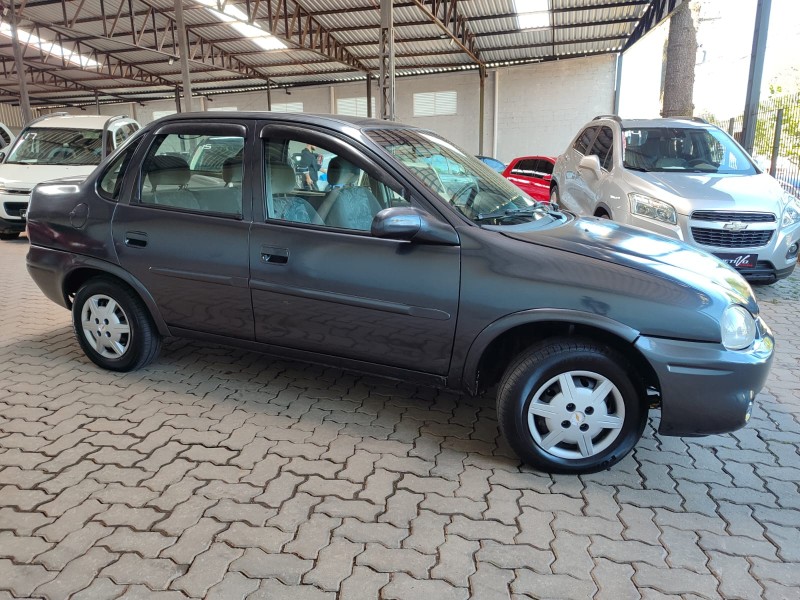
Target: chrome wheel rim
[(576, 415), (105, 326)]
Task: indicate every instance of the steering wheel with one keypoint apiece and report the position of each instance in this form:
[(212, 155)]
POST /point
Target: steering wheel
[(698, 161), (471, 187), (61, 154)]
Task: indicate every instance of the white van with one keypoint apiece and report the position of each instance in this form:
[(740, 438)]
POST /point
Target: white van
[(51, 147)]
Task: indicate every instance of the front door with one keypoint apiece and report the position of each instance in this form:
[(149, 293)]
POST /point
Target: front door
[(322, 283), (184, 233)]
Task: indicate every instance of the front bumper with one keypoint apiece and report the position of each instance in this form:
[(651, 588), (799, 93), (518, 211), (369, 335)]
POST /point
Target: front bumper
[(706, 389), (11, 208), (776, 259)]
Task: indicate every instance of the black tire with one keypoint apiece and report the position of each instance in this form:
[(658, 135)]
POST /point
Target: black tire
[(601, 214), (121, 351), (7, 237), (533, 377), (555, 198)]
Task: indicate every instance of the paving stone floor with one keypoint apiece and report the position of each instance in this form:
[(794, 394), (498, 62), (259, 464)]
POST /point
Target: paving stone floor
[(218, 473)]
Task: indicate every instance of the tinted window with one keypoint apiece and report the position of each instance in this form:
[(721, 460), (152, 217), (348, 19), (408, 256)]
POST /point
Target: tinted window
[(169, 180), (546, 167), (524, 167), (603, 147), (584, 140)]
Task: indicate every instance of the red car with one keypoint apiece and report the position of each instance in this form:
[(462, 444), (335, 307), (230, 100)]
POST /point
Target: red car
[(532, 175)]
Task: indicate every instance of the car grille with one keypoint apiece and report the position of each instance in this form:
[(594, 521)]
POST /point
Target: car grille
[(14, 209), (731, 239), (727, 215)]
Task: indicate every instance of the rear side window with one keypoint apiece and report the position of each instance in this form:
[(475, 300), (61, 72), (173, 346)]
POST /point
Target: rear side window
[(584, 140), (546, 167), (201, 173), (111, 181), (524, 167)]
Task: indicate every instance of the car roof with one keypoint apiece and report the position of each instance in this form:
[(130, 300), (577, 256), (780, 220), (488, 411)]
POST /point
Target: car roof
[(686, 123), (534, 157), (78, 121), (334, 121)]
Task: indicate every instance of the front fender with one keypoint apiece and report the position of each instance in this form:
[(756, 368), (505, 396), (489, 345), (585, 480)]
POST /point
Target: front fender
[(491, 332)]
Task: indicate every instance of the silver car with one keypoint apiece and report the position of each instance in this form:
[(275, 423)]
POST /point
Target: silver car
[(685, 179)]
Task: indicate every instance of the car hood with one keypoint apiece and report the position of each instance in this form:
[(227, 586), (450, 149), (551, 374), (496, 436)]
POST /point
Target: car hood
[(665, 257), (25, 177), (704, 191)]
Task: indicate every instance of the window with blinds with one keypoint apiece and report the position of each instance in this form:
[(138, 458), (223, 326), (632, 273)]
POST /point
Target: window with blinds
[(431, 104), (287, 107), (354, 107)]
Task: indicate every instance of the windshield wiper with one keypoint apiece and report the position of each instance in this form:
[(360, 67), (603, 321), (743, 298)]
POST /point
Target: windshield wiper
[(643, 169), (512, 212)]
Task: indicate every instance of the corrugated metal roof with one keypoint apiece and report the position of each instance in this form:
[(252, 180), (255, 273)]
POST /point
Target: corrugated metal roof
[(325, 44)]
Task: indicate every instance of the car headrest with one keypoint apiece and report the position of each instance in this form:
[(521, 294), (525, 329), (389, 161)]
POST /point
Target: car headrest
[(282, 178), (341, 172), (232, 170), (167, 170)]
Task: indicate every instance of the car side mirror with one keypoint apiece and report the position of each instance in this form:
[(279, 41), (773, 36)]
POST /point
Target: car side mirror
[(590, 163), (408, 224)]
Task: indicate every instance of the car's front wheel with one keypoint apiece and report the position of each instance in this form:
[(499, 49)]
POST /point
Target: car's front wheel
[(113, 326), (555, 199), (570, 406)]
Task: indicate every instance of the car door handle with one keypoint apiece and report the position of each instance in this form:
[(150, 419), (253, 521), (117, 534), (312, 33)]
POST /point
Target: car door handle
[(135, 239), (274, 256)]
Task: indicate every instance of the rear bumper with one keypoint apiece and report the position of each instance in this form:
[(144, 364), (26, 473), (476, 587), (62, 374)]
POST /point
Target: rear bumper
[(706, 389)]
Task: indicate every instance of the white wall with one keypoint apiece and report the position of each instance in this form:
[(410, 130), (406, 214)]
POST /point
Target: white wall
[(540, 106)]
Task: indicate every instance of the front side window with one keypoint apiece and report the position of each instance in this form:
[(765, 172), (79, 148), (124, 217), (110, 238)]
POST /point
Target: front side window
[(684, 149), (584, 140), (312, 185), (483, 195), (603, 147), (173, 176), (57, 146)]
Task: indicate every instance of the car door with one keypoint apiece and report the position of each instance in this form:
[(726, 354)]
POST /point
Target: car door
[(521, 173), (541, 182), (322, 283), (595, 183), (184, 235), (575, 193)]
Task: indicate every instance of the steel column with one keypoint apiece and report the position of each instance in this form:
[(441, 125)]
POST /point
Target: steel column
[(177, 99), (183, 45), (24, 100), (369, 96), (269, 95), (482, 104), (386, 60), (495, 110), (776, 143), (756, 70)]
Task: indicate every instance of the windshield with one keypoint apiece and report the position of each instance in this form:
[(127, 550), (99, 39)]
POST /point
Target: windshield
[(684, 150), (463, 181), (57, 146)]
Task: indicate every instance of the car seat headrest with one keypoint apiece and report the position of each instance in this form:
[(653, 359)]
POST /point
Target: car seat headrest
[(282, 178), (165, 169), (232, 170), (341, 172)]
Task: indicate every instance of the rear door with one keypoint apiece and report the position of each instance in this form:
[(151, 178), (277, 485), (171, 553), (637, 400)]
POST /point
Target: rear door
[(592, 192), (184, 234), (322, 283)]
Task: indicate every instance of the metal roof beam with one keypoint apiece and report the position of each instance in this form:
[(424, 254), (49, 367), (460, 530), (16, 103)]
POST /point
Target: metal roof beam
[(454, 26)]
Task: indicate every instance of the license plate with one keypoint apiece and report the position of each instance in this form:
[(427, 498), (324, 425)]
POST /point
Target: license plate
[(739, 261)]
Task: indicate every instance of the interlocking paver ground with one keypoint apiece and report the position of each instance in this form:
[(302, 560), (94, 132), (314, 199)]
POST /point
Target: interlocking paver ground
[(228, 474)]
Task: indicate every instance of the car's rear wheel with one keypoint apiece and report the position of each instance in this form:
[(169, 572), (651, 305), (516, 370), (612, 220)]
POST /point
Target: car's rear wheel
[(9, 236), (113, 326), (570, 406), (555, 199)]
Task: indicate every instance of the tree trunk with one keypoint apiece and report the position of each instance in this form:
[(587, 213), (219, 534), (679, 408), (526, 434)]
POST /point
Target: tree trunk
[(680, 60)]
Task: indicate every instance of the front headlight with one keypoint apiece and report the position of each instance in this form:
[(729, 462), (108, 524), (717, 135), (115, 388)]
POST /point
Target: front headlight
[(791, 211), (658, 210), (738, 328)]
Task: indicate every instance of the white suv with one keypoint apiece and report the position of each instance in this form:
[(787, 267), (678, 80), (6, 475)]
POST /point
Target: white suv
[(685, 179), (52, 147)]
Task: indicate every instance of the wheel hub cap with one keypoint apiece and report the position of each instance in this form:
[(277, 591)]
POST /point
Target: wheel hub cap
[(105, 326), (576, 415)]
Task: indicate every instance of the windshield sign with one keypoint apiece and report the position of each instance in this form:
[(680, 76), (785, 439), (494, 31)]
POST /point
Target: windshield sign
[(57, 146), (684, 150)]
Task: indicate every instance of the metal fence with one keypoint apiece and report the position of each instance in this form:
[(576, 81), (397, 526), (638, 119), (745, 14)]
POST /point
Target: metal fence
[(777, 141)]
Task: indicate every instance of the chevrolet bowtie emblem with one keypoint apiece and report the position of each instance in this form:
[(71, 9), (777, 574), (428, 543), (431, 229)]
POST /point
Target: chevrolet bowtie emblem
[(735, 226)]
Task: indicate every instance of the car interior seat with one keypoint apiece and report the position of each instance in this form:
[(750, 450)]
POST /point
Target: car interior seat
[(347, 206), (284, 204), (165, 170)]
